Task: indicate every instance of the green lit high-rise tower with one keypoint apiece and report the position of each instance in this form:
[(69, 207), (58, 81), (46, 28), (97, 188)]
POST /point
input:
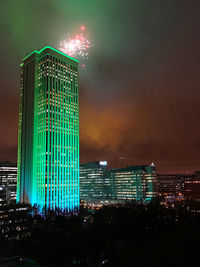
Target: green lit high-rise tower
[(48, 139)]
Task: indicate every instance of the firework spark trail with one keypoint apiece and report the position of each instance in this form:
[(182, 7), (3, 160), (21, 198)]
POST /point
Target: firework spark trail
[(77, 46)]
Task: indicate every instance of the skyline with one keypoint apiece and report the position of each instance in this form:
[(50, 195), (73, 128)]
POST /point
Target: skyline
[(139, 91)]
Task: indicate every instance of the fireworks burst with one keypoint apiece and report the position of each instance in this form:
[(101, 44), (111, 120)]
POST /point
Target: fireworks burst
[(77, 46)]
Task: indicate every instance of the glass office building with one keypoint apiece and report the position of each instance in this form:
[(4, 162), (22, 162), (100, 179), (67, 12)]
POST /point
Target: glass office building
[(98, 184), (94, 183), (133, 183), (48, 138)]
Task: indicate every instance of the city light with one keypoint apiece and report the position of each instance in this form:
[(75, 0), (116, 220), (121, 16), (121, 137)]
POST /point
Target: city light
[(103, 163)]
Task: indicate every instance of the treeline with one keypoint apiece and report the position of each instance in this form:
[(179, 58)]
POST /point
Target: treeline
[(121, 235)]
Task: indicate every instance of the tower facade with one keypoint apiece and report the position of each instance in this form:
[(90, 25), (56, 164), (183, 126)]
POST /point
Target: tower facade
[(48, 138)]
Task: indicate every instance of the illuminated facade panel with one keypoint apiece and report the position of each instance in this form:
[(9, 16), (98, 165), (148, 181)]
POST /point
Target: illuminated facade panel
[(8, 180), (133, 183), (94, 184), (98, 184), (48, 138)]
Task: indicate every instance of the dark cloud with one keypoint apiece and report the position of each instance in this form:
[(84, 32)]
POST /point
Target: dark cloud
[(139, 93)]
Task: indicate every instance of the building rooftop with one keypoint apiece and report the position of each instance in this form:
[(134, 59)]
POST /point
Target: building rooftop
[(134, 168), (48, 47), (8, 164)]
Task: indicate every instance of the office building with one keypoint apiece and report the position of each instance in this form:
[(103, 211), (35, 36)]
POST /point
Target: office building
[(94, 183), (192, 187), (176, 186), (133, 183), (167, 184), (48, 139), (8, 181), (100, 185)]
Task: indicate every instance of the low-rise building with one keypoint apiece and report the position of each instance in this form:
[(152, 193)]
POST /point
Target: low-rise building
[(100, 185), (8, 180), (94, 184), (133, 183), (192, 187)]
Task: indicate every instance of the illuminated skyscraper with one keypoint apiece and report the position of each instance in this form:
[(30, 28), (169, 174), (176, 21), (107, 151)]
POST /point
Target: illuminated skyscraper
[(48, 139)]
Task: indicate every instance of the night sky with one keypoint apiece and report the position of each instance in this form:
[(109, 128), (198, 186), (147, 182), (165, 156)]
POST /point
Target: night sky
[(140, 89)]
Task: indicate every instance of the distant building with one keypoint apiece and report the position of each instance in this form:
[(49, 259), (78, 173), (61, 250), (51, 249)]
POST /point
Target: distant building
[(192, 187), (168, 185), (94, 183), (8, 181), (178, 186), (48, 139), (15, 222), (97, 184), (133, 183)]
